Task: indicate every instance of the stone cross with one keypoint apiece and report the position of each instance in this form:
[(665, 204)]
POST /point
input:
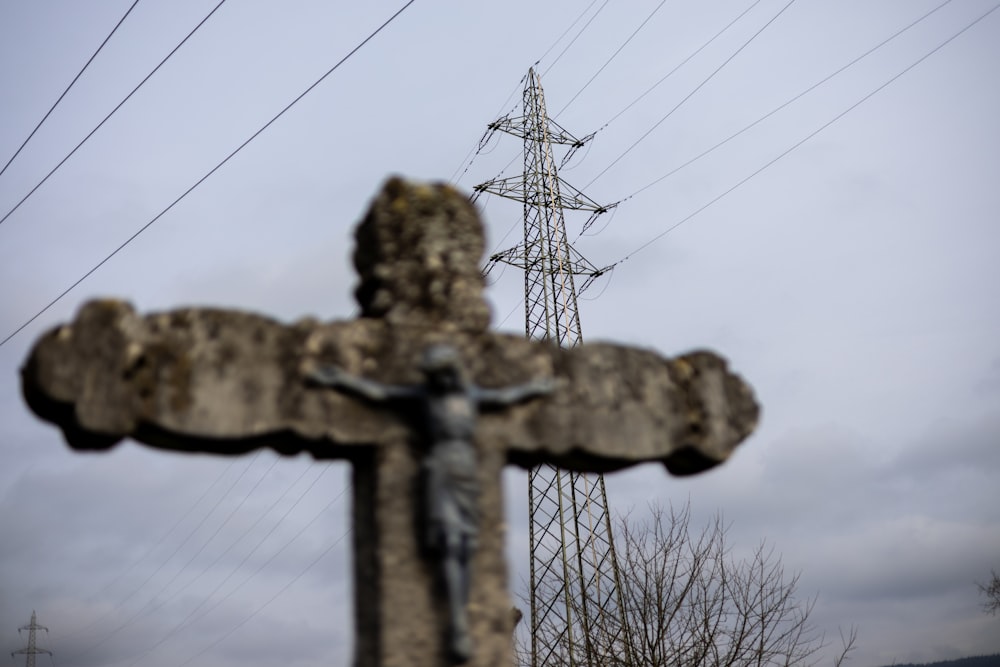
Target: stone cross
[(225, 382)]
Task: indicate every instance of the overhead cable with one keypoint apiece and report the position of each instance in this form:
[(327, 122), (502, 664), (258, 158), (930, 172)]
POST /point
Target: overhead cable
[(205, 598), (158, 600), (209, 173), (88, 649), (691, 94), (788, 102), (78, 74), (121, 574), (612, 57), (477, 149), (650, 89), (570, 27), (576, 37), (284, 588), (110, 114), (807, 137), (679, 65)]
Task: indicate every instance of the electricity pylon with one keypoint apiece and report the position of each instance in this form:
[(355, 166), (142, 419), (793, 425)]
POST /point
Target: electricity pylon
[(576, 598), (31, 650)]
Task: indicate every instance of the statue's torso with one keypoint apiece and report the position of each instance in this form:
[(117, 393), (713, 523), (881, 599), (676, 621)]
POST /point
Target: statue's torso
[(451, 467), (450, 416)]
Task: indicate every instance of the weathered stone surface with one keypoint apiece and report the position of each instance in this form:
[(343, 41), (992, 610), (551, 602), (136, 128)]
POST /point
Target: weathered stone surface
[(417, 255), (227, 382)]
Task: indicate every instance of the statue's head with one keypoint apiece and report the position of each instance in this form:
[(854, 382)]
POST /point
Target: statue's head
[(442, 366)]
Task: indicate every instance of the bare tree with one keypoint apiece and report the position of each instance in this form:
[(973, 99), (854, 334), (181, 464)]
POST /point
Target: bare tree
[(992, 592), (688, 602)]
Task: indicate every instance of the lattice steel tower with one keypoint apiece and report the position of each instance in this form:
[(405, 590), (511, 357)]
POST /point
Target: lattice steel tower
[(31, 650), (576, 597)]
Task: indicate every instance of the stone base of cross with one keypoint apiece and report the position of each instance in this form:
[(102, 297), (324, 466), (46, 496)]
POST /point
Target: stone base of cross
[(225, 382)]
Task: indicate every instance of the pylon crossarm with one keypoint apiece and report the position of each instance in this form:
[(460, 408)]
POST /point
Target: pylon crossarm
[(577, 201), (576, 264), (513, 256), (508, 188), (581, 265), (519, 189), (523, 127)]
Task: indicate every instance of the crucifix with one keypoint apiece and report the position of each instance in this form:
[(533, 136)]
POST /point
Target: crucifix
[(418, 394)]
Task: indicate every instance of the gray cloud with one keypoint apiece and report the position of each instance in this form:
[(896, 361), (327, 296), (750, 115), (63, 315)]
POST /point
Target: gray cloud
[(853, 283)]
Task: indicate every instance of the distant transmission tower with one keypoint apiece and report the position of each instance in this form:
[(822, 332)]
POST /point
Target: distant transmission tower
[(32, 650), (576, 596)]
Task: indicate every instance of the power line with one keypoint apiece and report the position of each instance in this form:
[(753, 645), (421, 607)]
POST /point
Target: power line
[(260, 543), (484, 140), (586, 25), (477, 149), (612, 57), (679, 65), (788, 102), (110, 114), (280, 522), (566, 32), (204, 545), (180, 546), (691, 94), (149, 551), (576, 37), (210, 172), (71, 83), (173, 631), (271, 599), (807, 137), (649, 90)]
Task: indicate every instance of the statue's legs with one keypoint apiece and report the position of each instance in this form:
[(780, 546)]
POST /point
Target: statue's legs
[(455, 570), (452, 524)]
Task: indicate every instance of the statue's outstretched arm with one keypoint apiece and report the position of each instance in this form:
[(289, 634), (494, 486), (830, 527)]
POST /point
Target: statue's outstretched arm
[(337, 378), (515, 394)]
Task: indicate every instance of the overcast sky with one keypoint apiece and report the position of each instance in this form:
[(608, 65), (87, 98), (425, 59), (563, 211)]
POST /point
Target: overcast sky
[(853, 282)]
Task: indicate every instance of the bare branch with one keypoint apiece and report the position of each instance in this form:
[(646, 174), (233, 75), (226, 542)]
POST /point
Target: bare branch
[(992, 592), (848, 643), (689, 602)]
